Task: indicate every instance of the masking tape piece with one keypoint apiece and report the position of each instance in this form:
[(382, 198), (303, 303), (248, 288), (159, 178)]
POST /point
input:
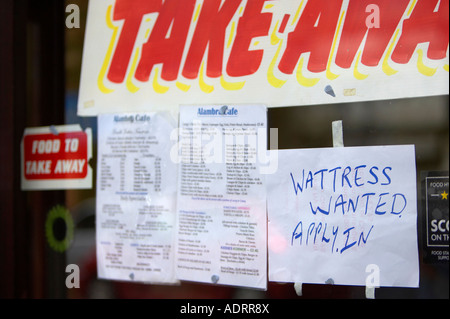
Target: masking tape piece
[(298, 288), (338, 136), (370, 292)]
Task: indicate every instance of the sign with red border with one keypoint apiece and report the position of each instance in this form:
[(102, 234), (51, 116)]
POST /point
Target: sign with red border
[(56, 157)]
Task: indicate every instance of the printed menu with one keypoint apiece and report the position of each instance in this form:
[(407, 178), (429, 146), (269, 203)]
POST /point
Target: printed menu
[(136, 197), (221, 200)]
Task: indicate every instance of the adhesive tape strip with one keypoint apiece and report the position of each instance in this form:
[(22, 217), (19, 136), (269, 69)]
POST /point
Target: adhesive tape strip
[(370, 292), (298, 288), (338, 135)]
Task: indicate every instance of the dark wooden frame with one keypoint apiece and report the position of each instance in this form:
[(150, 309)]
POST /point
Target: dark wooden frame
[(31, 94)]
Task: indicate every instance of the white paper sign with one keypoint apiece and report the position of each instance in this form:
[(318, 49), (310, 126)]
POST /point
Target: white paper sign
[(282, 53), (347, 214), (136, 196), (221, 221)]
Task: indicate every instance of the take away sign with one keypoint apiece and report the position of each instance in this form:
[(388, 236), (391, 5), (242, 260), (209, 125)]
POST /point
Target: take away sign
[(56, 157), (154, 54)]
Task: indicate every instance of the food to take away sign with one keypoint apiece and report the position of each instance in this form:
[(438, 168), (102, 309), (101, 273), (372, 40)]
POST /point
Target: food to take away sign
[(155, 54), (56, 157)]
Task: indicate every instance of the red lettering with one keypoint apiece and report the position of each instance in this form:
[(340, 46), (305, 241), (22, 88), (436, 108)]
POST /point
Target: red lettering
[(284, 23), (424, 25), (253, 23), (377, 40), (162, 47), (132, 12), (210, 32), (313, 33)]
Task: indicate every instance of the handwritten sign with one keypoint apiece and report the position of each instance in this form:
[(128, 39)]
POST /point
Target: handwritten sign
[(336, 212), (154, 54)]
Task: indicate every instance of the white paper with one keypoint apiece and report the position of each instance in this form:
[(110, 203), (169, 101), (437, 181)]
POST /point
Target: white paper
[(365, 232), (119, 36), (221, 214), (136, 196)]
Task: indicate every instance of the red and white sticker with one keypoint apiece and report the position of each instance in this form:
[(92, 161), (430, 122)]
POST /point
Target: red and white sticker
[(56, 157)]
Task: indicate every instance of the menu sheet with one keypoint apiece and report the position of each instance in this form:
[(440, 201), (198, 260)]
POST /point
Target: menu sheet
[(136, 197), (221, 205)]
